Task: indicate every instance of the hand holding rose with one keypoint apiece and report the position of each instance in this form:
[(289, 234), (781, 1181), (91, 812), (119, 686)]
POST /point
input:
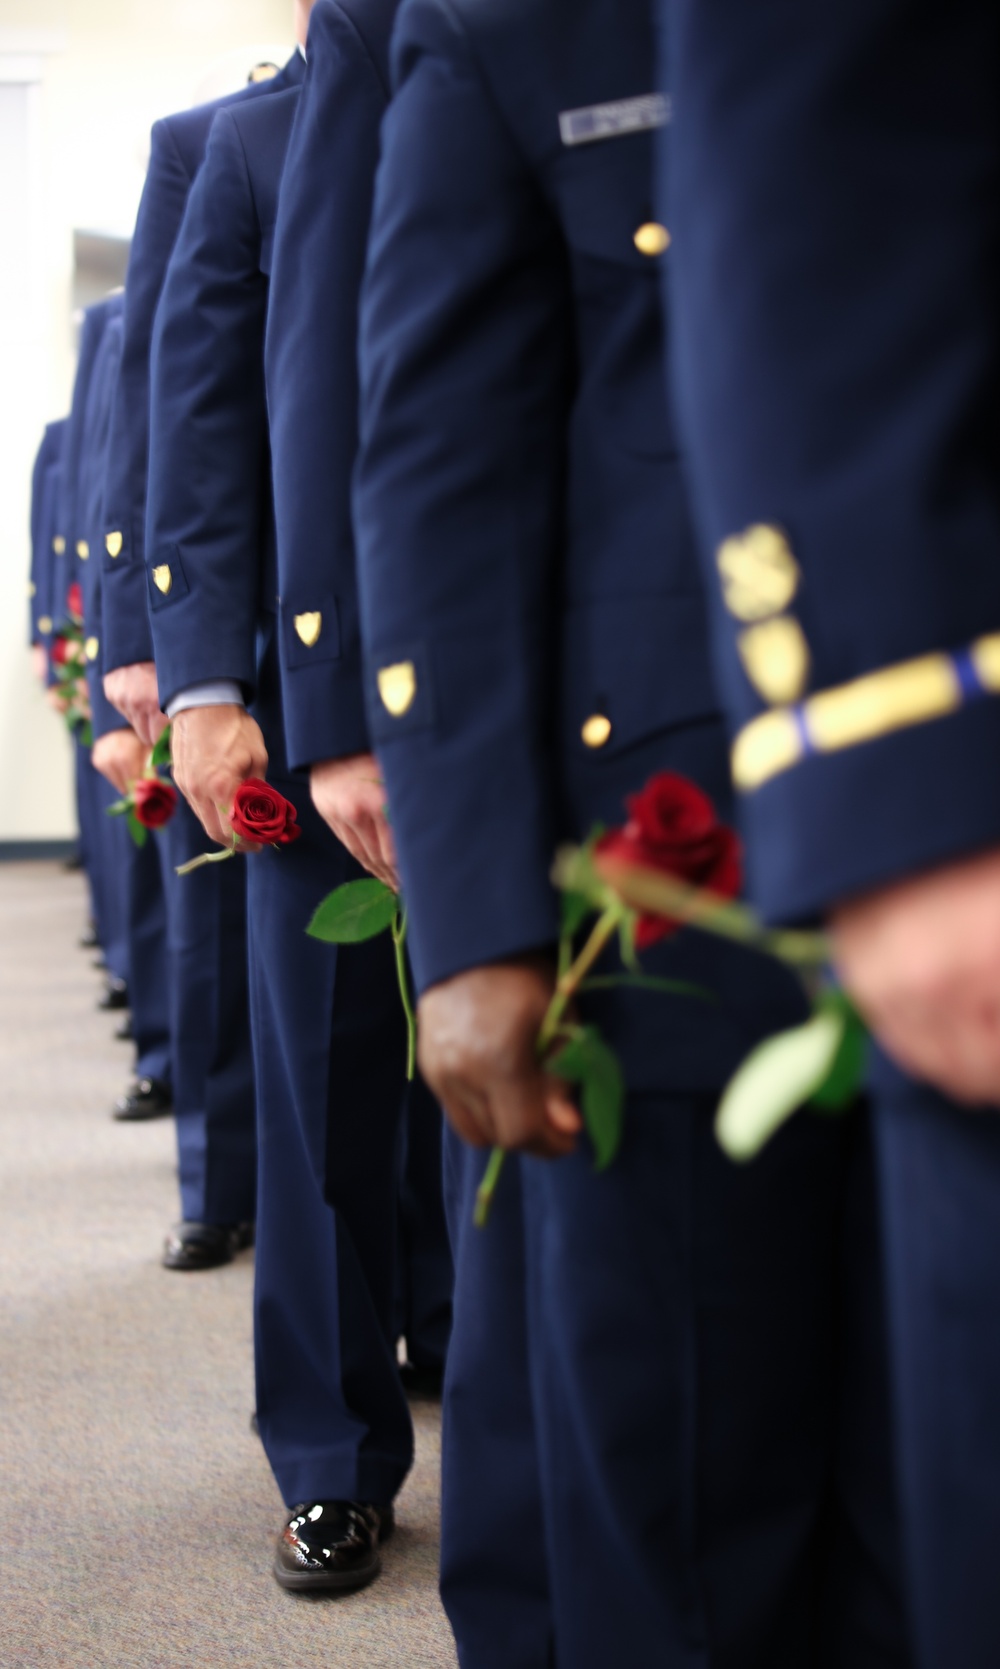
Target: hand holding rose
[(350, 797), (215, 751)]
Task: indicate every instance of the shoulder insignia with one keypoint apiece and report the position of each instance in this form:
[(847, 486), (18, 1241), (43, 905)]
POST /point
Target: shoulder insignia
[(776, 657), (397, 686), (308, 627), (760, 576)]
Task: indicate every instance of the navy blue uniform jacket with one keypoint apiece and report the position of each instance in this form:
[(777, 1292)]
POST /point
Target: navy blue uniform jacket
[(832, 186), (44, 515), (530, 591), (312, 383), (210, 533), (177, 150), (90, 500), (72, 547)]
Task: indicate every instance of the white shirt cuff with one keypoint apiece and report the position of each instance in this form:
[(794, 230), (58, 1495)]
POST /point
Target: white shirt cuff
[(215, 692)]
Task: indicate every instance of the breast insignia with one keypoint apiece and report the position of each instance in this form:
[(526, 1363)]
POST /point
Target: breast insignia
[(308, 627), (759, 574), (163, 579), (397, 686)]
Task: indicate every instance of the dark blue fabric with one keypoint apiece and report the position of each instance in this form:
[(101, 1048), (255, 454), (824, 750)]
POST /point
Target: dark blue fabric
[(330, 1049), (852, 400), (209, 515), (210, 1020), (177, 150), (327, 1027), (425, 1272), (940, 1175), (524, 543), (560, 473), (312, 370), (44, 515)]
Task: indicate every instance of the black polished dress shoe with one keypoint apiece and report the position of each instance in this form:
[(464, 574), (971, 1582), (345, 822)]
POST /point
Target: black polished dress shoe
[(422, 1384), (124, 1033), (115, 994), (331, 1547), (205, 1245), (146, 1098)]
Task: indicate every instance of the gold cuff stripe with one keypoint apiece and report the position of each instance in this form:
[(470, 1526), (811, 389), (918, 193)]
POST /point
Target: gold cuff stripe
[(895, 698)]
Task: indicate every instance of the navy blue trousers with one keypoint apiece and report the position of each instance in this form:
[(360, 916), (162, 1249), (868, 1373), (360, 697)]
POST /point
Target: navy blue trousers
[(425, 1274), (940, 1181), (148, 955), (210, 1019), (103, 855), (330, 1057), (648, 1425)]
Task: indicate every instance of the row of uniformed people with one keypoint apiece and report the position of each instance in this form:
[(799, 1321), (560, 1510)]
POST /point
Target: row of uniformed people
[(352, 1250), (666, 1423), (465, 581)]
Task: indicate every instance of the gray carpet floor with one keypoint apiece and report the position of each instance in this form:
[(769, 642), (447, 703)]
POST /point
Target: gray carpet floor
[(137, 1512)]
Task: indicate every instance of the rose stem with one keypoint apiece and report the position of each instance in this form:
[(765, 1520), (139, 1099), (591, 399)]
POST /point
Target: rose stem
[(399, 940)]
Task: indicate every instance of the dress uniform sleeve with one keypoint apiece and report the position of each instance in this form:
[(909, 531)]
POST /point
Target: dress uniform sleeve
[(320, 240), (208, 460), (464, 363), (127, 638), (37, 587), (835, 273)]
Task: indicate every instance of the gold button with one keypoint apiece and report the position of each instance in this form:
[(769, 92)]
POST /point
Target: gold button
[(397, 685), (596, 731), (113, 544), (44, 623), (82, 549), (59, 545), (652, 238), (308, 627), (163, 579), (91, 648)]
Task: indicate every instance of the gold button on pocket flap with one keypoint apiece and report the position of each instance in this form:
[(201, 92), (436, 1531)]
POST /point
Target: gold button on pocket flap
[(651, 239), (163, 579), (308, 627), (59, 545), (91, 648), (776, 657), (596, 731), (759, 574), (113, 544), (397, 686), (82, 549), (44, 623)]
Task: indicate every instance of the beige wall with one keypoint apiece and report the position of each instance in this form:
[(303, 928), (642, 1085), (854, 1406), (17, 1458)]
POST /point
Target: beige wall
[(81, 82)]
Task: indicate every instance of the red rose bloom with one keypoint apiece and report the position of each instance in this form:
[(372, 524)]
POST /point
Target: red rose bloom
[(263, 816), (672, 827), (59, 651), (154, 802), (74, 600)]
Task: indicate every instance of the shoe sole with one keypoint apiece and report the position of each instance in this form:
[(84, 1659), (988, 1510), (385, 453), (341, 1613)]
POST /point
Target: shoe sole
[(324, 1581)]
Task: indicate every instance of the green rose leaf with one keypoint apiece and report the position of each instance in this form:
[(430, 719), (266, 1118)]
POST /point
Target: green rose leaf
[(160, 755), (355, 912), (775, 1080), (588, 1061), (843, 1081), (138, 831)]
